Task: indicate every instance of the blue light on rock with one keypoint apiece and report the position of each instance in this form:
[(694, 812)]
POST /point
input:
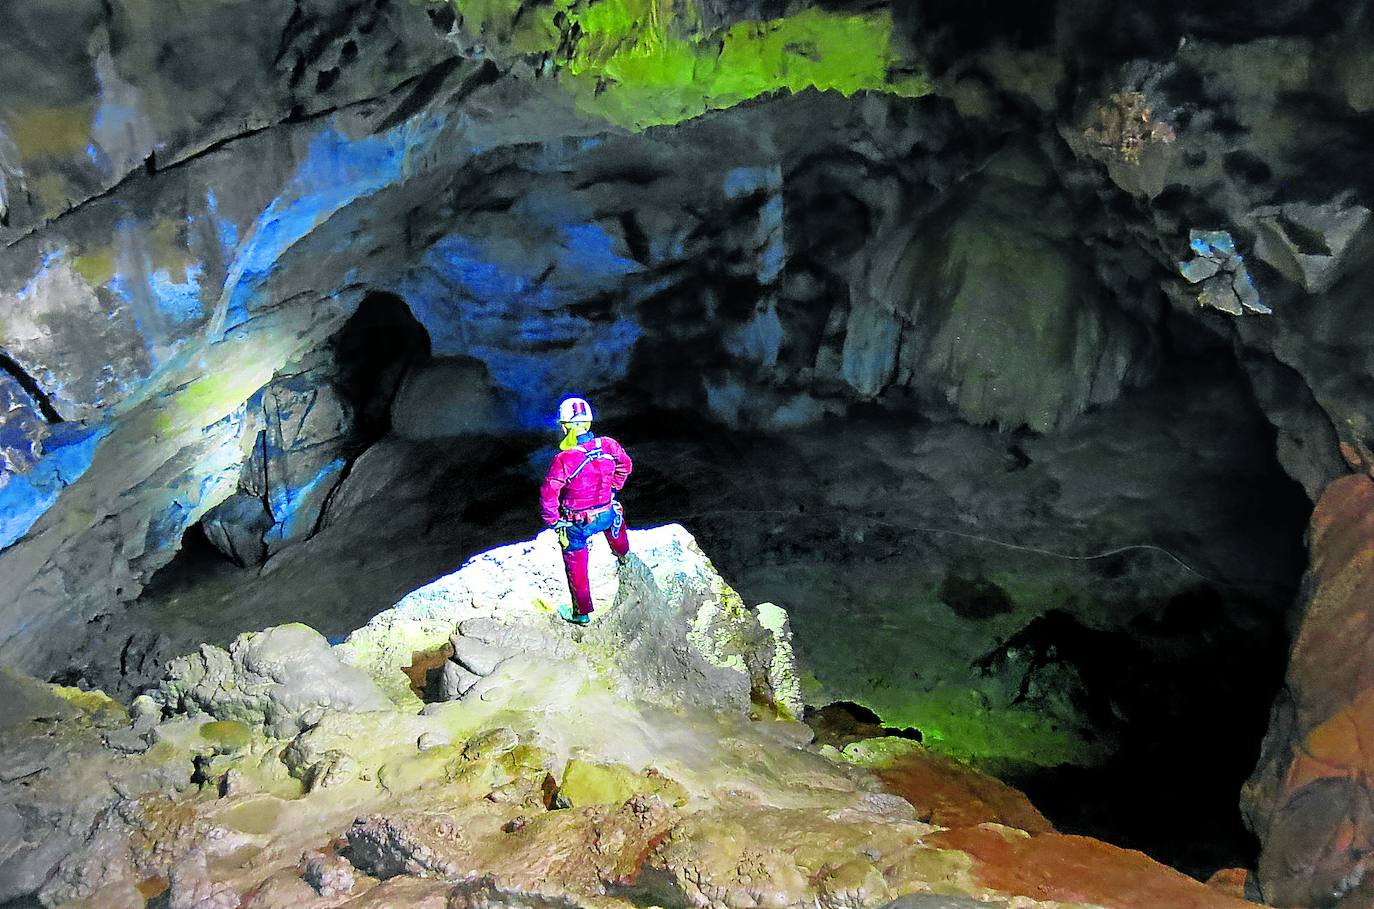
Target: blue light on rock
[(286, 501), (512, 303), (337, 170), (68, 452)]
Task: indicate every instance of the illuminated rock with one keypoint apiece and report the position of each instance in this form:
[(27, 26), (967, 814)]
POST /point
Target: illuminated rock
[(281, 680), (668, 627), (1307, 799)]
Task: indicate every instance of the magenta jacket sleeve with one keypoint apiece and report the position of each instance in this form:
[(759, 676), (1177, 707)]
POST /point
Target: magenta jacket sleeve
[(623, 464), (550, 491)]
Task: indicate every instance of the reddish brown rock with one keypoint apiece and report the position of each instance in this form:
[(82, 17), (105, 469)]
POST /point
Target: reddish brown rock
[(951, 794), (1230, 881), (1076, 869), (1311, 799)]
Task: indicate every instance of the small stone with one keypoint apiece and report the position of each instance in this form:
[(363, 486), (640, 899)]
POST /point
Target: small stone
[(491, 743), (127, 741), (144, 706), (431, 740), (329, 875), (336, 768)]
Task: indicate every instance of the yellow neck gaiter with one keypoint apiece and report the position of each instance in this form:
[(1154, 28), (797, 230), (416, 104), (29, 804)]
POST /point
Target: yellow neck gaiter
[(571, 432)]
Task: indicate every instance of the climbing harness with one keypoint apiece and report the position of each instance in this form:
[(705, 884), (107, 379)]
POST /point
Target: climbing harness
[(596, 454), (583, 516)]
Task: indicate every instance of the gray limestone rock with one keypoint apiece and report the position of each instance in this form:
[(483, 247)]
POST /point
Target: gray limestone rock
[(445, 398), (22, 428), (236, 526), (485, 629), (1310, 244), (58, 779), (280, 679), (475, 656), (128, 741), (454, 681)]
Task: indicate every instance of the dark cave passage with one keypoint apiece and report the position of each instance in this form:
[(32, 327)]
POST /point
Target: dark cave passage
[(1189, 696), (1168, 658)]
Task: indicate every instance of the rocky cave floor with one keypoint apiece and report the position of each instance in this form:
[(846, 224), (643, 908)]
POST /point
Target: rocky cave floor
[(927, 569)]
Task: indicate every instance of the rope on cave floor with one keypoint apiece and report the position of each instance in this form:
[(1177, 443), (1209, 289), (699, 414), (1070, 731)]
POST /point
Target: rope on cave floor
[(1239, 583)]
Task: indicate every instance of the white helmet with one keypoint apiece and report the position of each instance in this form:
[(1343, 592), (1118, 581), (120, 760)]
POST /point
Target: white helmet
[(574, 410)]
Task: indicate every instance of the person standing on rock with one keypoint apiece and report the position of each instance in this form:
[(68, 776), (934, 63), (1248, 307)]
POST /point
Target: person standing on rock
[(577, 499)]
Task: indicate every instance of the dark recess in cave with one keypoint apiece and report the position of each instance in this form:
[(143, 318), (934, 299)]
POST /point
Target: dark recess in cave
[(1186, 688), (371, 354), (1188, 692), (844, 722)]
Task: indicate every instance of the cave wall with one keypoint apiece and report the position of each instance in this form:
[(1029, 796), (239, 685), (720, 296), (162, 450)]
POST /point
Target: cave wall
[(550, 247), (1309, 799), (1001, 219)]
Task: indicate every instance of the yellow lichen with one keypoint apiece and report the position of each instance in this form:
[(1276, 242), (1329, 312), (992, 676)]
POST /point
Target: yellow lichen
[(96, 266), (92, 702), (50, 132)]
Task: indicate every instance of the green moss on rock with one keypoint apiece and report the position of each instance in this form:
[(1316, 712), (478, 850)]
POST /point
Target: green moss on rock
[(586, 783), (227, 736), (642, 63)]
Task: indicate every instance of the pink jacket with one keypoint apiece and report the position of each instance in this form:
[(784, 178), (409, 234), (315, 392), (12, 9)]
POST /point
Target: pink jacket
[(583, 478)]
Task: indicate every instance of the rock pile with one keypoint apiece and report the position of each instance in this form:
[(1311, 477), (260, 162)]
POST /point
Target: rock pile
[(580, 768)]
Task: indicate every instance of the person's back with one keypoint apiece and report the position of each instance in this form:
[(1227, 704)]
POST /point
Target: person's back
[(592, 471), (577, 498)]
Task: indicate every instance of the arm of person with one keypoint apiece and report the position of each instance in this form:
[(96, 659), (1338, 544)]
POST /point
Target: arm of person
[(623, 464), (551, 491)]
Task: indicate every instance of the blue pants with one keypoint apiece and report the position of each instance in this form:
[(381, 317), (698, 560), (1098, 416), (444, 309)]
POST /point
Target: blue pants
[(606, 522)]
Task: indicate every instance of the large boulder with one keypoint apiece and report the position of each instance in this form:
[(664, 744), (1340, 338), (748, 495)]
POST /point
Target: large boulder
[(1308, 800), (668, 629), (281, 680), (1004, 249)]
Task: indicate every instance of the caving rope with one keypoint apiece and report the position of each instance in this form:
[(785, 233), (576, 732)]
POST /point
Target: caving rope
[(977, 538)]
